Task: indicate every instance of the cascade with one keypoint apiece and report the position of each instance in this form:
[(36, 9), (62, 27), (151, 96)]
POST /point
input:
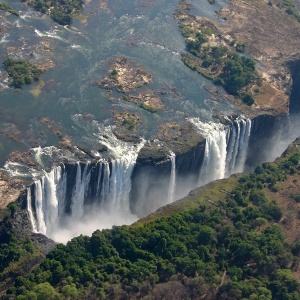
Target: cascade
[(237, 145), (59, 197), (71, 193), (29, 209), (172, 183), (225, 148)]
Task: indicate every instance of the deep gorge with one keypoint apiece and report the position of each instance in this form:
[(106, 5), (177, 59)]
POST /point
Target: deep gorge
[(127, 188)]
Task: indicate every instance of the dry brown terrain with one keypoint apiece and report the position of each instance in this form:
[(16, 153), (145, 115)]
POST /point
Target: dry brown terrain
[(272, 37)]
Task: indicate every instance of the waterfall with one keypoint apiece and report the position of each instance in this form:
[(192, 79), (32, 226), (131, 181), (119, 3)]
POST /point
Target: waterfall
[(89, 193), (39, 206), (79, 191), (29, 209), (172, 184), (225, 148), (214, 161), (104, 185), (237, 146)]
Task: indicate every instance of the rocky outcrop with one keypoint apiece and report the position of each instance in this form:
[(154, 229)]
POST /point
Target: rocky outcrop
[(124, 76), (10, 189), (152, 173)]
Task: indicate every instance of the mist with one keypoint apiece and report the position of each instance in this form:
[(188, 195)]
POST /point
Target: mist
[(92, 220), (81, 198)]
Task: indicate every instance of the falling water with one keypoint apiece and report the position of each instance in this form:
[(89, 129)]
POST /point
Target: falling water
[(214, 162), (237, 146), (29, 209), (81, 184), (105, 185), (172, 184), (225, 148)]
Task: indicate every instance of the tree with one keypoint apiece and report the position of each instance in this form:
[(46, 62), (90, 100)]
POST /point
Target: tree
[(258, 222), (207, 235), (45, 291), (70, 291)]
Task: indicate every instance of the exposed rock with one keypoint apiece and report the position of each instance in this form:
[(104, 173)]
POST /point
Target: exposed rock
[(126, 120), (270, 36), (177, 137), (146, 100), (101, 148), (124, 76), (10, 189), (22, 157), (126, 135), (180, 137), (52, 126), (11, 131)]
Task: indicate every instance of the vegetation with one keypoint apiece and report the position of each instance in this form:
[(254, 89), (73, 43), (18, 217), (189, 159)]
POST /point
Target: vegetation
[(148, 107), (4, 6), (240, 47), (290, 8), (236, 73), (114, 74), (22, 71), (17, 251), (229, 249), (130, 122), (61, 11)]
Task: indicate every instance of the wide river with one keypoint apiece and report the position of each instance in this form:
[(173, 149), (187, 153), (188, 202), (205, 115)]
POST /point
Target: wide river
[(143, 31)]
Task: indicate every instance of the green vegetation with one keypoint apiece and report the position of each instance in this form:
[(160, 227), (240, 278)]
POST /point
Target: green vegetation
[(61, 11), (4, 6), (17, 251), (114, 74), (236, 73), (22, 72), (130, 122), (240, 47), (148, 107), (290, 8), (230, 247)]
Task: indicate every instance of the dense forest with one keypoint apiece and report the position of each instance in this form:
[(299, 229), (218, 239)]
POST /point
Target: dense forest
[(22, 71), (225, 243)]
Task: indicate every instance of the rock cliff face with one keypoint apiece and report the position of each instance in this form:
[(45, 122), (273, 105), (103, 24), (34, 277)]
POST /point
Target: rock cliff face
[(266, 130), (22, 225), (295, 87), (151, 179)]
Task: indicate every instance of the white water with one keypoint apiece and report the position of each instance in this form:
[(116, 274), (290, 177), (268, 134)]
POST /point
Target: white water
[(29, 209), (100, 191), (172, 184), (109, 205), (238, 139), (225, 148)]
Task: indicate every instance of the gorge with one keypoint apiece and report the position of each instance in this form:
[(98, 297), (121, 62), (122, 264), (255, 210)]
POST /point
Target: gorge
[(108, 155), (81, 197), (156, 155)]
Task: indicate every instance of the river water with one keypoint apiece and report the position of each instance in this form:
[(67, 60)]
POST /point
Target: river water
[(80, 197), (143, 31)]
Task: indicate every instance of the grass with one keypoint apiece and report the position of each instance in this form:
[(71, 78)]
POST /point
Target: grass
[(209, 194)]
